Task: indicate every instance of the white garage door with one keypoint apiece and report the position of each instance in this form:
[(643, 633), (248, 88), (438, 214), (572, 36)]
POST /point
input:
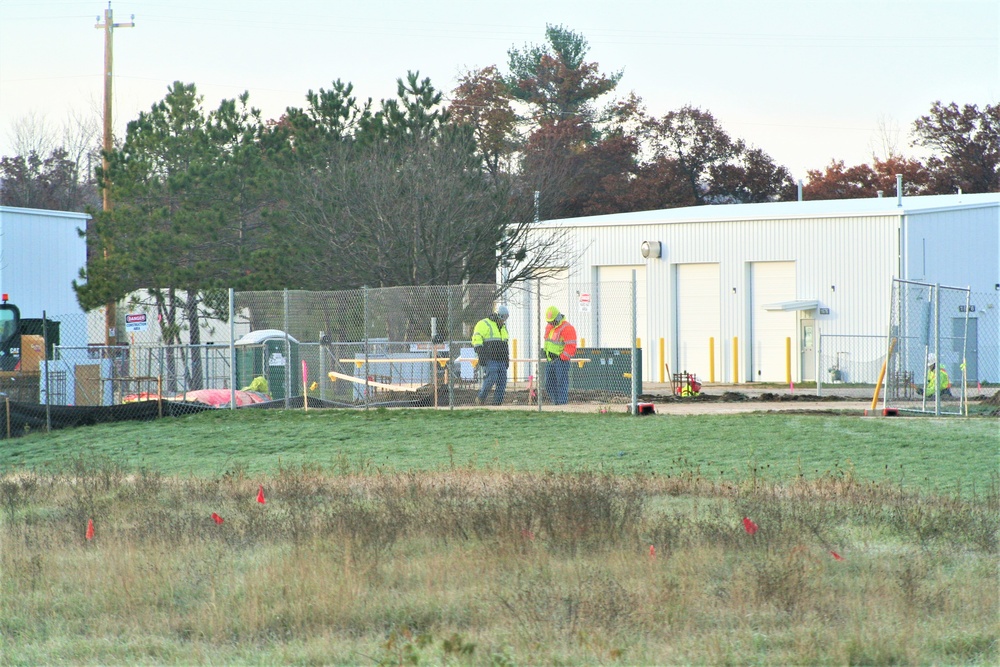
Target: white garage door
[(771, 282), (614, 299), (698, 319)]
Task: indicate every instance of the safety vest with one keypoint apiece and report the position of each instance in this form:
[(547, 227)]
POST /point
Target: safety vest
[(937, 377), (560, 340), (490, 340)]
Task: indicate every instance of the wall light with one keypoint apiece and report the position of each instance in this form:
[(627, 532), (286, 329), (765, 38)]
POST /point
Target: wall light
[(833, 288), (734, 290), (652, 249)]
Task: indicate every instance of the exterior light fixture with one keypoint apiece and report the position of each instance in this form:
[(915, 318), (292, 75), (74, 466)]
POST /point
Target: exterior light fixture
[(652, 249)]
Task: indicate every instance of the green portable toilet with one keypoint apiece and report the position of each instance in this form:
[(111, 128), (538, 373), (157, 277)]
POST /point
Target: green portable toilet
[(272, 354)]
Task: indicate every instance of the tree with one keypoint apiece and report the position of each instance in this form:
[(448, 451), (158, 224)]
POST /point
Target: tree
[(750, 177), (187, 194), (53, 182), (966, 142), (405, 199), (838, 181), (564, 127), (483, 101)]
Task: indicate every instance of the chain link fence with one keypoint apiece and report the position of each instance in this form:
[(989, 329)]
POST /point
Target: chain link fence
[(402, 346), (933, 349)]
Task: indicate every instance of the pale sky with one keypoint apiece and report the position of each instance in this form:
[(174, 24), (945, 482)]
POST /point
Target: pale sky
[(805, 80)]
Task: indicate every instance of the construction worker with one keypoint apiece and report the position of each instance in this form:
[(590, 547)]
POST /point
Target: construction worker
[(937, 377), (489, 339), (560, 346)]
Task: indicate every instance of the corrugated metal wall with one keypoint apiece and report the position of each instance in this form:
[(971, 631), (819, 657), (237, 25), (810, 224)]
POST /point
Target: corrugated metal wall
[(845, 263), (41, 254)]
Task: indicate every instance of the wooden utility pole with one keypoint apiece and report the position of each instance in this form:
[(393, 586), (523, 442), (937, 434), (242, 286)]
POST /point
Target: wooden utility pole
[(110, 315)]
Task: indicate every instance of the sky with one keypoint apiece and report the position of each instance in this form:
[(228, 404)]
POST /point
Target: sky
[(807, 81)]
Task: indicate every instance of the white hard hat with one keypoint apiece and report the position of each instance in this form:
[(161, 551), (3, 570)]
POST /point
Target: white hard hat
[(502, 312), (931, 358)]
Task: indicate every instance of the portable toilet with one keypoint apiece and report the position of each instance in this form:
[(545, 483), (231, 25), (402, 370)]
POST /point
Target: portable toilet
[(270, 353)]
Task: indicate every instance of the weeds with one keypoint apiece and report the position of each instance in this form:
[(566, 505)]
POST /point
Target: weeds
[(467, 567)]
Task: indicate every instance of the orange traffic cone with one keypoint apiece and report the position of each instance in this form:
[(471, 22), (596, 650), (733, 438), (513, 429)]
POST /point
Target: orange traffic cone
[(260, 495), (90, 529)]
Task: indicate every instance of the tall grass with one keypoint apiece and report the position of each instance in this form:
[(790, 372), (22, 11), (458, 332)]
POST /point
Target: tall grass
[(491, 568)]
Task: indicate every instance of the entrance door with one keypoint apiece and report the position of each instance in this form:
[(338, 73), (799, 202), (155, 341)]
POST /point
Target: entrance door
[(807, 343)]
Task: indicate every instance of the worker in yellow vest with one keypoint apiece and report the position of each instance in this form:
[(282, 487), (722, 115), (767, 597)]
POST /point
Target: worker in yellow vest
[(490, 341), (560, 346), (937, 377)]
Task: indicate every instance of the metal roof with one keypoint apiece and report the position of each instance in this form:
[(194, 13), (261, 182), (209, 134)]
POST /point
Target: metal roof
[(826, 208)]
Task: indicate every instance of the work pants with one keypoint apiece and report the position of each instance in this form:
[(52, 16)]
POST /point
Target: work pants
[(494, 374), (557, 381)]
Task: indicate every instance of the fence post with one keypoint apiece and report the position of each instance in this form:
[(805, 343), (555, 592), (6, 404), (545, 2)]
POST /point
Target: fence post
[(635, 350), (937, 350), (819, 357), (364, 335), (232, 349), (541, 339), (288, 355), (45, 359), (451, 351)]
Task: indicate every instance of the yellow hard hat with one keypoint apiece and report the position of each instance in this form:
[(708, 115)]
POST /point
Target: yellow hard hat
[(551, 314)]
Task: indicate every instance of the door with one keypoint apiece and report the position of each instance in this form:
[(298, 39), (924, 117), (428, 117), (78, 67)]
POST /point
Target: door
[(772, 282), (698, 319), (807, 363)]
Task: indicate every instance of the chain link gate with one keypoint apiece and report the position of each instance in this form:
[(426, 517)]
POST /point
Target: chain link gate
[(927, 355)]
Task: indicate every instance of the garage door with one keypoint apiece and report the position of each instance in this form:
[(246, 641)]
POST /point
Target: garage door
[(613, 325), (771, 282), (698, 319)]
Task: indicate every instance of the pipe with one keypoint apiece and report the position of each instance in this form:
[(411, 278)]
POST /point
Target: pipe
[(899, 189)]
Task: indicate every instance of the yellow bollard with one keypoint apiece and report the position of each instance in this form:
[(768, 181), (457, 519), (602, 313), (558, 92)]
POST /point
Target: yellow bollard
[(736, 360), (711, 359), (583, 342), (638, 342), (788, 361), (662, 359)]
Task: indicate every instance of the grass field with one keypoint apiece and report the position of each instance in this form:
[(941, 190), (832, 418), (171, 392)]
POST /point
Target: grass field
[(502, 538), (947, 455)]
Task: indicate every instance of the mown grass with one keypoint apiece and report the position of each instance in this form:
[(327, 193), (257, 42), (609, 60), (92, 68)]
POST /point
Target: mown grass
[(496, 538), (947, 455)]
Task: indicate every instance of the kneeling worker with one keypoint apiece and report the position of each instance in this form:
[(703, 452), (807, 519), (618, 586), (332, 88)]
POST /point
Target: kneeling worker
[(489, 339)]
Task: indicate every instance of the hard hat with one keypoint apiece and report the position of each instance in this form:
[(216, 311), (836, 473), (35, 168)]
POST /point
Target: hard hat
[(502, 312), (931, 359), (551, 314)]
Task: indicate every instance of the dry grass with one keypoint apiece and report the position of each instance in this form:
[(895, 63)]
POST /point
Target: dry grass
[(481, 568)]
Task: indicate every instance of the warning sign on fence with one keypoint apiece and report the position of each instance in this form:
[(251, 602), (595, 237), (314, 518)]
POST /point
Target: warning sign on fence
[(584, 303), (135, 322)]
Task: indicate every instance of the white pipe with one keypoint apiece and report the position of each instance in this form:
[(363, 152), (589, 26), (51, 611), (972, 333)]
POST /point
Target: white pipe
[(899, 189)]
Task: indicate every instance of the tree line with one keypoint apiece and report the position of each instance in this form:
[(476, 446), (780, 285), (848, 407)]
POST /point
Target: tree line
[(423, 190)]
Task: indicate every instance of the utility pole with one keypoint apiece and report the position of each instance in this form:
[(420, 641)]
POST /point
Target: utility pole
[(110, 315)]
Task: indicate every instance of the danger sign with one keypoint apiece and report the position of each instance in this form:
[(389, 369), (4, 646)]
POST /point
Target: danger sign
[(136, 322), (584, 303)]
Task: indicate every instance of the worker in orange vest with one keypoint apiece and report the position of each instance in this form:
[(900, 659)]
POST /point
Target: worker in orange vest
[(560, 346)]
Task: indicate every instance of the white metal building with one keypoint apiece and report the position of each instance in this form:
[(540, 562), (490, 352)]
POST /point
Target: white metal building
[(41, 254), (727, 287)]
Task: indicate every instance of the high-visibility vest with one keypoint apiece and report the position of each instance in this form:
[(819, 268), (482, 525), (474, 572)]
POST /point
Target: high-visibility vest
[(560, 340), (490, 338)]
